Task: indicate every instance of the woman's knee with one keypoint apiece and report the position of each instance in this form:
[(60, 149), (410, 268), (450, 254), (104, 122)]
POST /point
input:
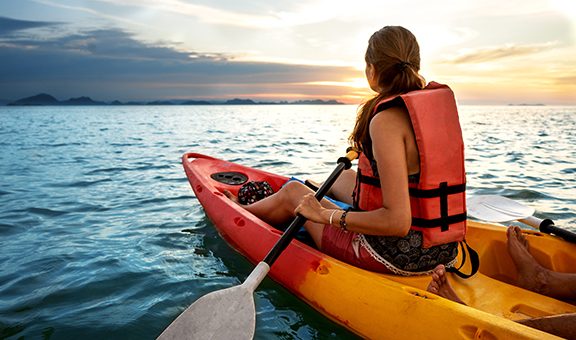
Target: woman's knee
[(295, 189)]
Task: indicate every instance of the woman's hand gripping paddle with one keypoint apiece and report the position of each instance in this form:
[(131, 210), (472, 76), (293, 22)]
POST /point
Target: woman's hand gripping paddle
[(230, 313), (494, 208)]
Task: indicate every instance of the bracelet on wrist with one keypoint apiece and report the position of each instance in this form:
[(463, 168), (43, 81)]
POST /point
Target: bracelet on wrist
[(332, 215), (343, 224)]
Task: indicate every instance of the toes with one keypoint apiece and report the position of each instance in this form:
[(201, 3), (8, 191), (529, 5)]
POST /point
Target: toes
[(439, 269), (509, 232), (522, 238), (433, 287), (516, 235), (512, 233), (440, 273)]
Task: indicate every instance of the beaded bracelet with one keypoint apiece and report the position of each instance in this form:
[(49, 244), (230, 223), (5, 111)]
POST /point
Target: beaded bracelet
[(343, 224)]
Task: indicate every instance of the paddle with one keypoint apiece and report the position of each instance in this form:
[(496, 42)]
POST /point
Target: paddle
[(230, 313), (494, 208)]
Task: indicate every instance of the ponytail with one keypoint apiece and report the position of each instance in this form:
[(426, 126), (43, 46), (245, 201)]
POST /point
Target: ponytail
[(395, 55)]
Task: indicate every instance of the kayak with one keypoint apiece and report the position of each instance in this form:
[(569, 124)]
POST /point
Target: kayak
[(383, 306)]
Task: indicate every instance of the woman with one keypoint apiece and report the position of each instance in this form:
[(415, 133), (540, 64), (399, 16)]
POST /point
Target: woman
[(381, 233)]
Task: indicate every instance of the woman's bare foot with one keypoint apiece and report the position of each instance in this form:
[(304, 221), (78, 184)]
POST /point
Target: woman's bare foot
[(441, 286), (531, 275)]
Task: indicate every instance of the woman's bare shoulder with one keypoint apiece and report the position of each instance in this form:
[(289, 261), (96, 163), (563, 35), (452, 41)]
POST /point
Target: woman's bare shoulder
[(394, 119)]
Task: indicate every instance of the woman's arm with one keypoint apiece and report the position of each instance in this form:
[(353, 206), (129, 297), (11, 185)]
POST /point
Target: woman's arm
[(388, 130)]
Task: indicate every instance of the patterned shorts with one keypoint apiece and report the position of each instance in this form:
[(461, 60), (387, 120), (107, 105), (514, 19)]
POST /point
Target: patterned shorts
[(386, 254)]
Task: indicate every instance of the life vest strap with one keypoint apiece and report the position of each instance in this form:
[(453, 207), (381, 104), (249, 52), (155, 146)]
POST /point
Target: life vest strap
[(474, 261), (438, 222), (416, 192), (373, 181), (443, 190)]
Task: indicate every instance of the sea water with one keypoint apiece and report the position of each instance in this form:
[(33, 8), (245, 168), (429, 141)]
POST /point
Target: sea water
[(102, 237)]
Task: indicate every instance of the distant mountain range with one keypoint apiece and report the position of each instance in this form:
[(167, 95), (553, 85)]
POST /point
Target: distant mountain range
[(44, 99)]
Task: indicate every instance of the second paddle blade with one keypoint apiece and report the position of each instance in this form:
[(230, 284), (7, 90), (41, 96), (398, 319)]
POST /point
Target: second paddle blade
[(223, 314), (494, 208)]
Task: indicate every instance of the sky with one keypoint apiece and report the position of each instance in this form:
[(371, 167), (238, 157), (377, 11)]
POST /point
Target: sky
[(488, 51)]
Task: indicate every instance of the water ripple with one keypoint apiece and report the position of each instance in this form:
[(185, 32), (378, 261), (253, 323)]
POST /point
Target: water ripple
[(103, 237)]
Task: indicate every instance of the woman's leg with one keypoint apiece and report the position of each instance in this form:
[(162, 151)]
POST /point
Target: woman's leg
[(533, 276), (343, 188), (278, 209)]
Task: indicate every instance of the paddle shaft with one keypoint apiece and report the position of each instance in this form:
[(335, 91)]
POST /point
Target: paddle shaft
[(298, 222), (548, 227)]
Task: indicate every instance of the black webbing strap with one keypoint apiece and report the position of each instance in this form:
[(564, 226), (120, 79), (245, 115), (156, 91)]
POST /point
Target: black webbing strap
[(444, 205), (443, 190), (474, 262), (438, 222), (373, 181), (442, 193), (438, 192), (398, 101)]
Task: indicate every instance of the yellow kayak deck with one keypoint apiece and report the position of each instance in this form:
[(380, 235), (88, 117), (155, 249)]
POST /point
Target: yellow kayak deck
[(381, 306), (498, 273), (492, 289)]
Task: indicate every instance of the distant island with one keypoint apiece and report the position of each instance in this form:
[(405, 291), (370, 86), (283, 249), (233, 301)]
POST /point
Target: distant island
[(44, 99), (527, 104)]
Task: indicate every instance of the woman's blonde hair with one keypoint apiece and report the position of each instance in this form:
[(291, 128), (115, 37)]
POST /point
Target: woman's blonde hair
[(395, 55)]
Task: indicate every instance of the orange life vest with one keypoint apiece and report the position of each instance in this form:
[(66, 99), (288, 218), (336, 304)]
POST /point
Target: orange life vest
[(437, 198)]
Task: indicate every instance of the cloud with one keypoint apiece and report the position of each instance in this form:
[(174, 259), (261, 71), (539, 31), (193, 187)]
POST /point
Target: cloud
[(263, 15), (569, 80), (90, 11), (490, 54), (111, 64), (9, 25)]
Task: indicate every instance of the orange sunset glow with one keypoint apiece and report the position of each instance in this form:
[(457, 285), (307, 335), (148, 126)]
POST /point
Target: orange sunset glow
[(489, 52)]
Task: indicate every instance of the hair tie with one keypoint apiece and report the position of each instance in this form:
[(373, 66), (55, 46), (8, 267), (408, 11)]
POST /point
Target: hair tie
[(403, 65)]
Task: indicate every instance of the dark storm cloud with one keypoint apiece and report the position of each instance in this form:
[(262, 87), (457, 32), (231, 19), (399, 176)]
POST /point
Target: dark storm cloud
[(113, 64), (8, 25)]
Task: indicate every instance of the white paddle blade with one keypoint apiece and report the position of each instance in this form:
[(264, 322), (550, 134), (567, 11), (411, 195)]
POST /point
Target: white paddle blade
[(223, 314), (494, 208)]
